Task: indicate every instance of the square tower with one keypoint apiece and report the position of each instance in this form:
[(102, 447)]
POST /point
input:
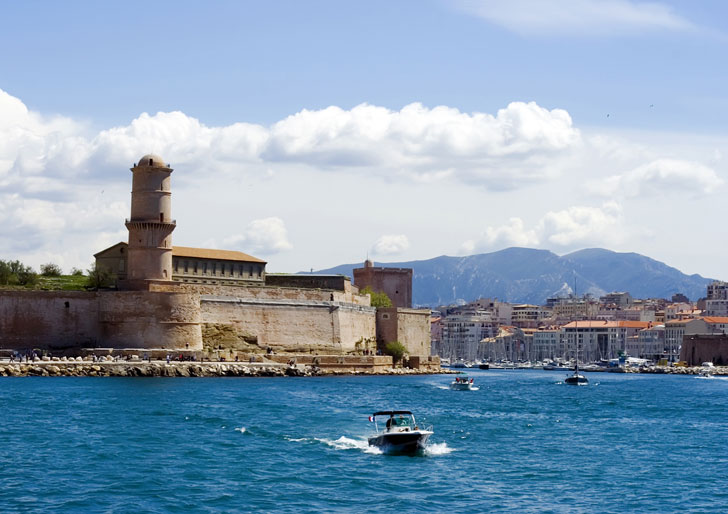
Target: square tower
[(394, 282)]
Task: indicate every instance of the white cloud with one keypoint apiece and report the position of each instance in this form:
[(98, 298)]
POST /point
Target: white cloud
[(581, 226), (512, 234), (521, 142), (428, 144), (572, 228), (391, 244), (266, 236), (577, 17), (659, 177), (54, 171)]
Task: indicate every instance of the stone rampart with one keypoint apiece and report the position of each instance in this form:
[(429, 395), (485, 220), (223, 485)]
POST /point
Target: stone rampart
[(56, 320), (48, 319), (293, 325)]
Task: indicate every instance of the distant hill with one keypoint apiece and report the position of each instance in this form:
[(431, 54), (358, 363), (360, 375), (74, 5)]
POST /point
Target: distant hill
[(524, 275)]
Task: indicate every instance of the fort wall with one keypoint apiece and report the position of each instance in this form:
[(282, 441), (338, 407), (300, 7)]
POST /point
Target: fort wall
[(292, 324), (411, 327), (50, 320)]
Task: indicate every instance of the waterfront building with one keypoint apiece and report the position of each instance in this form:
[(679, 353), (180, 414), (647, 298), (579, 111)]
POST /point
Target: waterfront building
[(596, 339), (508, 344), (461, 334), (545, 344), (650, 344), (676, 329)]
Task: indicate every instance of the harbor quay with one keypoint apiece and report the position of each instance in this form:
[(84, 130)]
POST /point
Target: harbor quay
[(279, 366)]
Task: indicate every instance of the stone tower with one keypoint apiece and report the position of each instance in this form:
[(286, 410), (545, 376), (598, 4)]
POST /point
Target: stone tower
[(395, 282), (151, 224)]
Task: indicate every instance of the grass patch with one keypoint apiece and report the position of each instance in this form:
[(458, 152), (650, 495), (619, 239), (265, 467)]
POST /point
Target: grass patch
[(62, 283)]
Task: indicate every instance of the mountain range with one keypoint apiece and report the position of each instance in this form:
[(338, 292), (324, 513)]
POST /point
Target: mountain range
[(525, 275)]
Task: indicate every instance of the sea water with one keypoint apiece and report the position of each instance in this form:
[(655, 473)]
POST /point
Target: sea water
[(524, 442)]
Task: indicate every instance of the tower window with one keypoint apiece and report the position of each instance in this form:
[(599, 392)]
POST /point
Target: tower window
[(151, 162), (161, 216)]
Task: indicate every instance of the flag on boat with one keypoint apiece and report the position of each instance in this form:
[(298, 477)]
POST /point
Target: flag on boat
[(371, 418)]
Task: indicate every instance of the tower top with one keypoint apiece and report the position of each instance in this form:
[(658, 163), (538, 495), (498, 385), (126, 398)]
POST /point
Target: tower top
[(151, 160)]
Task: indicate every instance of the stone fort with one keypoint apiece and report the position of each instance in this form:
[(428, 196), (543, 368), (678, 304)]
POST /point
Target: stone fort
[(202, 301)]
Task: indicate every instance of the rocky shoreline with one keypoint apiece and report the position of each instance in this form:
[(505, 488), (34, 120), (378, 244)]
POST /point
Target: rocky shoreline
[(676, 370), (78, 367), (82, 368)]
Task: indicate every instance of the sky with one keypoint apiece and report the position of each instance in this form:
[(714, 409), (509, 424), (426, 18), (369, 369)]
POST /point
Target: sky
[(312, 134)]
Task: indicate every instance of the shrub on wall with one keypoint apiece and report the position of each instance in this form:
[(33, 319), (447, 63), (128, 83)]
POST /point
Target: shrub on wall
[(396, 350), (50, 270), (378, 299)]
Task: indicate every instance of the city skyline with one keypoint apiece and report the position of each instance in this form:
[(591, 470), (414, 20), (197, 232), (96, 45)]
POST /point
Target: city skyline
[(311, 135)]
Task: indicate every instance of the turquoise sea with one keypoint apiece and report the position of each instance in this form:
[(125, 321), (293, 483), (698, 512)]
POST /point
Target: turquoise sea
[(523, 443)]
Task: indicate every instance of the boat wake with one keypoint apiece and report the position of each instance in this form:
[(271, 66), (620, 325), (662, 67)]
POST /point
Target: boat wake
[(438, 449), (710, 377), (242, 430), (346, 443)]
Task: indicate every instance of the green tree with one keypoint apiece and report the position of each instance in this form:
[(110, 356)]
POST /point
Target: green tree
[(98, 277), (76, 272), (26, 276), (5, 273), (396, 350), (378, 299), (50, 270)]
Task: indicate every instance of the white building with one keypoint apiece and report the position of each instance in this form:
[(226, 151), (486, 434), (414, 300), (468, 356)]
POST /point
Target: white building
[(545, 344), (461, 334)]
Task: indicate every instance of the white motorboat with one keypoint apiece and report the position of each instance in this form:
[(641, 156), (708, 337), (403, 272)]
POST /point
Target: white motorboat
[(463, 384), (401, 434)]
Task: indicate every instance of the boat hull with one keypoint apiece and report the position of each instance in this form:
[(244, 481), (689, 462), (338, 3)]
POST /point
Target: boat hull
[(401, 442), (461, 387), (576, 379)]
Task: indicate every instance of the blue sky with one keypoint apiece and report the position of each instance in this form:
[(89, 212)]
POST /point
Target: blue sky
[(311, 133)]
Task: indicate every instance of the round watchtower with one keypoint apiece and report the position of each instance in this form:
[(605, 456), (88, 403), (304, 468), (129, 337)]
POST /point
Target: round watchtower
[(151, 224)]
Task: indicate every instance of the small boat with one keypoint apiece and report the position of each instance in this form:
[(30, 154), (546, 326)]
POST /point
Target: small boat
[(576, 379), (555, 366), (401, 433), (484, 365), (462, 384)]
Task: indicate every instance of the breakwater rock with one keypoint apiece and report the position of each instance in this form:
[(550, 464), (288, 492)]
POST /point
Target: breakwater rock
[(677, 370), (80, 368)]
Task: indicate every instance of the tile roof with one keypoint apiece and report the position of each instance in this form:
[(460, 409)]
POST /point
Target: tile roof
[(716, 319), (607, 324), (205, 253)]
